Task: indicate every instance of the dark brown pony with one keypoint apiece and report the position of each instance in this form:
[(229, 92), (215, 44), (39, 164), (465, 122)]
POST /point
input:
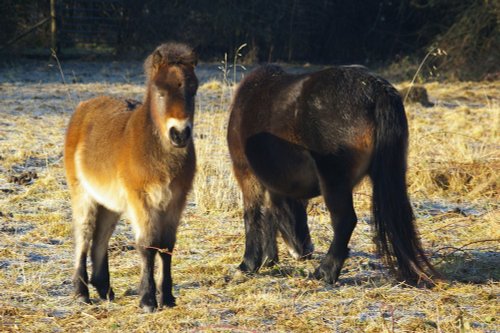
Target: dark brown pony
[(124, 157), (294, 137)]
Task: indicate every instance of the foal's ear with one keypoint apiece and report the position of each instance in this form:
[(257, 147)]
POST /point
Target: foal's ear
[(157, 59), (191, 58), (194, 60)]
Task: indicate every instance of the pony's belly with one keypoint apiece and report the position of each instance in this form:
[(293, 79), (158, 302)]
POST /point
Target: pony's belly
[(282, 167), (301, 183)]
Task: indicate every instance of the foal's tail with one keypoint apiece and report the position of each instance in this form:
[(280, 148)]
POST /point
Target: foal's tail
[(397, 238)]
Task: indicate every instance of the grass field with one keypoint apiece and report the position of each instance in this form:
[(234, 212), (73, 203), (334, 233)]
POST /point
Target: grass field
[(454, 165)]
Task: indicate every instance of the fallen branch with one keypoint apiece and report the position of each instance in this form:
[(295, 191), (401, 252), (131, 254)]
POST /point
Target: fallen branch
[(463, 247)]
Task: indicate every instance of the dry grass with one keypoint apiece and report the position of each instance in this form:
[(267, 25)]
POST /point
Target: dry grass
[(453, 177)]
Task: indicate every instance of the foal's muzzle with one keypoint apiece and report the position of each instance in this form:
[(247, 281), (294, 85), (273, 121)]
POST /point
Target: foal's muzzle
[(180, 138)]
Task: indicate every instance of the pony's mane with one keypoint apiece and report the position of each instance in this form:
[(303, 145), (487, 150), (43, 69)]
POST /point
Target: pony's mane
[(268, 69), (171, 54), (263, 72)]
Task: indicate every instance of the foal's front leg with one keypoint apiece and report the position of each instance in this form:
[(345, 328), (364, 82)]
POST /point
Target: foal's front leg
[(166, 296), (143, 221), (164, 245), (147, 288), (167, 227)]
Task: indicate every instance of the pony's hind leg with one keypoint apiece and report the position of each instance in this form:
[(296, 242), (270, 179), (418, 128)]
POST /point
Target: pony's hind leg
[(84, 217), (336, 187), (291, 218), (269, 232), (105, 224), (340, 205), (260, 237), (260, 229)]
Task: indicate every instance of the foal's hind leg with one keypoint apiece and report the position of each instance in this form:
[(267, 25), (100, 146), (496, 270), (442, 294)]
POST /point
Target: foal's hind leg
[(338, 198), (291, 218), (84, 216), (105, 224)]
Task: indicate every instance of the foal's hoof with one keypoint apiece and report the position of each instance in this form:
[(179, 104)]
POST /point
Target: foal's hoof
[(106, 294), (168, 302)]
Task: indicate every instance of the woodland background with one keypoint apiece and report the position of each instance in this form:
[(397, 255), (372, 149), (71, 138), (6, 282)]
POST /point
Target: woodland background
[(373, 33)]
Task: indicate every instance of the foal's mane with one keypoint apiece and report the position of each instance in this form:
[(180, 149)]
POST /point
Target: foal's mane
[(169, 54)]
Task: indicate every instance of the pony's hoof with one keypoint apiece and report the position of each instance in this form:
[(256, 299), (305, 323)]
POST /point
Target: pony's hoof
[(148, 309), (328, 271), (148, 304), (83, 299), (238, 277), (328, 277), (308, 251), (248, 267), (271, 262), (302, 253)]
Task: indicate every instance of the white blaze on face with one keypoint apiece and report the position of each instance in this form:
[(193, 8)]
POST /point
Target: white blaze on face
[(161, 101)]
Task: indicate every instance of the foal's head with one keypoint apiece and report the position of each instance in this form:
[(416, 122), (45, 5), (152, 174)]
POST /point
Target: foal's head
[(172, 86)]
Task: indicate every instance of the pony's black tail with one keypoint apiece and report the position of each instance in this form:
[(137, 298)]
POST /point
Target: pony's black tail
[(396, 236)]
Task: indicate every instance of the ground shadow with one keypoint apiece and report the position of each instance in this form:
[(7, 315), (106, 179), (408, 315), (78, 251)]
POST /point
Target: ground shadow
[(361, 268), (470, 266)]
